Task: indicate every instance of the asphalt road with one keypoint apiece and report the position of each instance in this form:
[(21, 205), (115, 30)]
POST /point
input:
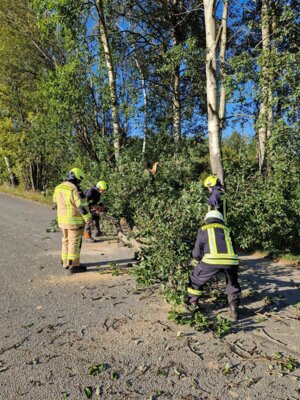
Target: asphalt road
[(54, 327)]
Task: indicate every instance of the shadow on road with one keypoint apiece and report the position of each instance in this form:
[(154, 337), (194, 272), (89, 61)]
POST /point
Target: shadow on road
[(278, 285)]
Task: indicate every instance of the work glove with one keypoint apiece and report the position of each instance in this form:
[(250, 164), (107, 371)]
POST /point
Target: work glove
[(194, 262), (99, 209), (89, 222)]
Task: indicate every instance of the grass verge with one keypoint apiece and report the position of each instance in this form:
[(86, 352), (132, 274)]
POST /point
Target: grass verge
[(26, 194)]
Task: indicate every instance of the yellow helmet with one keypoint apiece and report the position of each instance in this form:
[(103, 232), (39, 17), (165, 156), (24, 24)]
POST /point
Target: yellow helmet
[(76, 173), (101, 185), (210, 181)]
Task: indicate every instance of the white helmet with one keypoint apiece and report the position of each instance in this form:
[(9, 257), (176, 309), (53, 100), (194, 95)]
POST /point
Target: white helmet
[(214, 214)]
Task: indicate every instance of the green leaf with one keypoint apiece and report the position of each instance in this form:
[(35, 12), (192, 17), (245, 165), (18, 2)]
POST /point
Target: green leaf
[(97, 368), (115, 376), (278, 355), (162, 372), (88, 391), (128, 385)]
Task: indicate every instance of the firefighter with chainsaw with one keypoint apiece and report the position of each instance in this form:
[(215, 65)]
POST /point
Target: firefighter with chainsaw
[(72, 215), (216, 190), (93, 195), (215, 253)]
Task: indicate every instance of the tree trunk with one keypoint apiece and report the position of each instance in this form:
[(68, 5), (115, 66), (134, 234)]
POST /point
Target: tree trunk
[(12, 177), (212, 89), (176, 106), (176, 80), (111, 77), (145, 103), (85, 139), (265, 110), (222, 105), (103, 127), (32, 176)]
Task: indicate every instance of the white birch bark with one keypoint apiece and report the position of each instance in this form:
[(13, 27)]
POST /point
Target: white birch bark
[(176, 107), (212, 90), (223, 42), (176, 85), (111, 77), (11, 175), (265, 110), (145, 103)]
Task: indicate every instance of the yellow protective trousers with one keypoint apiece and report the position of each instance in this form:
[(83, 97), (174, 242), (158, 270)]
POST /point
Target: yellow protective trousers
[(71, 246)]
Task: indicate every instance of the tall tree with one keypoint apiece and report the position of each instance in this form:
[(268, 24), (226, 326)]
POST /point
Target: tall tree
[(265, 110), (145, 103), (111, 74), (223, 46), (215, 107)]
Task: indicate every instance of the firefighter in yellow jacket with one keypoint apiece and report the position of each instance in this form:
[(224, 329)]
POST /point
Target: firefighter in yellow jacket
[(72, 215)]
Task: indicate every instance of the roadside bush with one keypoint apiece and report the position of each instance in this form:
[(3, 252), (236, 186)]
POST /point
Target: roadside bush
[(264, 214)]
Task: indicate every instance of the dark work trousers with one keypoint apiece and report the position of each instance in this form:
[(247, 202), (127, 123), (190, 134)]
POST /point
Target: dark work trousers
[(96, 219), (203, 273)]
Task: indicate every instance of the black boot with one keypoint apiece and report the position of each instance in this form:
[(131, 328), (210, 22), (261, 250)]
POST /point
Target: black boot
[(191, 305), (98, 233), (234, 306), (74, 270)]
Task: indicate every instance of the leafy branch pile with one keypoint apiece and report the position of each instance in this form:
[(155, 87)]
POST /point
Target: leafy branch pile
[(219, 326)]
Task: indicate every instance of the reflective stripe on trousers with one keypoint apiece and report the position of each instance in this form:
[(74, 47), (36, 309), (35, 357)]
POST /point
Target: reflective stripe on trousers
[(71, 246)]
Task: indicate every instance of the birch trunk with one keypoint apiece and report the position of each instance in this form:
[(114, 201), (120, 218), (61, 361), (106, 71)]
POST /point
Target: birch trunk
[(212, 90), (271, 77), (222, 105), (12, 177), (176, 82), (145, 103), (265, 110), (111, 77), (176, 107)]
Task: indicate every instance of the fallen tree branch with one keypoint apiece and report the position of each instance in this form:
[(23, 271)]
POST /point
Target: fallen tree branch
[(14, 346), (272, 339), (276, 316), (194, 351)]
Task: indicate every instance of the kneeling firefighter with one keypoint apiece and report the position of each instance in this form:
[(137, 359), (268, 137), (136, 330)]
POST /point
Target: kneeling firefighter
[(215, 253), (72, 215), (93, 195)]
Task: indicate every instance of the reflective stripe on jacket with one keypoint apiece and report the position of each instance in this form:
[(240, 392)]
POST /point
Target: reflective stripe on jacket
[(214, 246), (70, 202)]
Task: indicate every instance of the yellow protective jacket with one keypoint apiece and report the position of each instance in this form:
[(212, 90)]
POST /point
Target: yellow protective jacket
[(214, 246), (72, 206)]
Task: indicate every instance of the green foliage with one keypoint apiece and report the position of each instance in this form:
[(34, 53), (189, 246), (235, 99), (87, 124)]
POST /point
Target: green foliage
[(219, 326), (88, 391), (222, 326), (54, 226), (171, 223), (97, 368), (264, 211), (201, 322), (289, 364)]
